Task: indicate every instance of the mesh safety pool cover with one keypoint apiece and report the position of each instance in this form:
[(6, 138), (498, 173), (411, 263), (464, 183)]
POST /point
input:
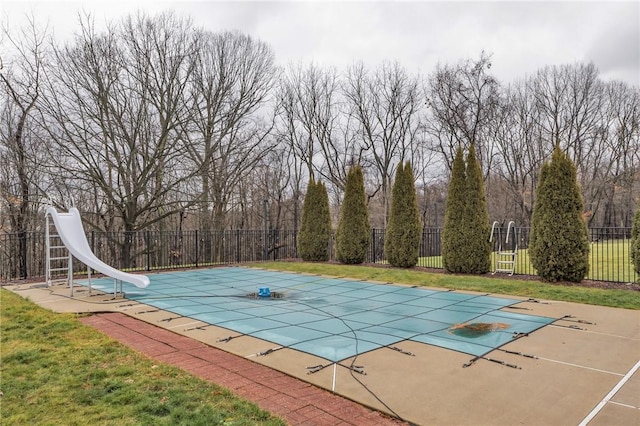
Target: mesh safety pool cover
[(333, 318)]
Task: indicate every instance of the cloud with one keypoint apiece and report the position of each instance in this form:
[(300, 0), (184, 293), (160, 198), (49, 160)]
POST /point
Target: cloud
[(523, 35), (616, 48)]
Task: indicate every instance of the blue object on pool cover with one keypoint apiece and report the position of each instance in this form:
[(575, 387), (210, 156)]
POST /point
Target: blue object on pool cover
[(332, 318)]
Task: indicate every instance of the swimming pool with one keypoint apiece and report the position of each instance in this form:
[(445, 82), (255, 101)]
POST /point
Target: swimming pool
[(333, 318)]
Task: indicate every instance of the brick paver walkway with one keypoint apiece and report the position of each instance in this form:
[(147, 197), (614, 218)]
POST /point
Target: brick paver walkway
[(297, 402)]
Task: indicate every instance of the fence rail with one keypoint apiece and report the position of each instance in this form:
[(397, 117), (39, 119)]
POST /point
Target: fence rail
[(152, 250)]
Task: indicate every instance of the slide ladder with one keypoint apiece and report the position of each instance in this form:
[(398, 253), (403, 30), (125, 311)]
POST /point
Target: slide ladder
[(505, 258), (58, 260), (71, 232)]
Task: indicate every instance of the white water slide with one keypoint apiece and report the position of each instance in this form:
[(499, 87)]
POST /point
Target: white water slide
[(71, 232)]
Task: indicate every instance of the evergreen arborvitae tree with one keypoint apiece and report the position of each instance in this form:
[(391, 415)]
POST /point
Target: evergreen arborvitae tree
[(537, 213), (315, 229), (404, 230), (354, 233), (453, 236), (635, 240), (559, 244), (476, 220)]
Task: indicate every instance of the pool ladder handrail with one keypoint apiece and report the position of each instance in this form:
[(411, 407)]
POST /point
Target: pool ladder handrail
[(505, 260)]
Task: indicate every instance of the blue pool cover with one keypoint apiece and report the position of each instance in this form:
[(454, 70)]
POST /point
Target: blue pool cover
[(331, 318)]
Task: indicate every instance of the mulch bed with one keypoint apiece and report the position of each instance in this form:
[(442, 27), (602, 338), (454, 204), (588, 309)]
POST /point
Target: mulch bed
[(583, 283)]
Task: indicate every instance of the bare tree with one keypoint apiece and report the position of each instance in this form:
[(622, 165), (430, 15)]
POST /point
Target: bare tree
[(270, 181), (595, 122), (308, 122), (384, 105), (522, 152), (229, 88), (621, 131), (114, 108), (21, 77), (429, 183), (277, 178), (572, 112), (569, 102), (462, 102)]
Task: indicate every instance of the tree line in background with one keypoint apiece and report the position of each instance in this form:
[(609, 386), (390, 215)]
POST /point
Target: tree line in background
[(153, 123)]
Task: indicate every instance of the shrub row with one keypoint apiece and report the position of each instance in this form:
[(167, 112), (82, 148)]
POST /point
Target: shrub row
[(559, 245)]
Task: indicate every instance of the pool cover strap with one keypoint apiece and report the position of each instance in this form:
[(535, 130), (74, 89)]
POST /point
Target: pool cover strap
[(270, 351), (497, 361), (518, 353), (402, 351), (171, 318), (200, 327), (315, 368)]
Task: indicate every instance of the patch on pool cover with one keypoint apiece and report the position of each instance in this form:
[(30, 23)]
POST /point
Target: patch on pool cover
[(477, 329)]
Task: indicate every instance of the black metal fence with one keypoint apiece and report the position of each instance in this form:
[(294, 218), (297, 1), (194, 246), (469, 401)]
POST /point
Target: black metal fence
[(151, 250)]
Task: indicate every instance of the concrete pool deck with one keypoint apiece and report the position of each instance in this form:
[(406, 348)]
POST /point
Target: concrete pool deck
[(583, 369)]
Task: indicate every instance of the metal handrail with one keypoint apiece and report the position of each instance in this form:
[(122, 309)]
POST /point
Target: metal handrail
[(512, 224), (493, 227)]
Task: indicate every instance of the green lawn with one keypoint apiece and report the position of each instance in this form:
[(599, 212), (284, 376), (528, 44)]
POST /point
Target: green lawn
[(527, 288), (609, 261), (57, 371)]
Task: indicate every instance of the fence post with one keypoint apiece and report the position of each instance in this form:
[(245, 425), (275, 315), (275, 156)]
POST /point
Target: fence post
[(147, 238), (196, 247), (275, 239), (373, 245), (237, 246)]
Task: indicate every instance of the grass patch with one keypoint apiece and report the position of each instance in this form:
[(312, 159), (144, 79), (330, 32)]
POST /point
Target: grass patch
[(609, 260), (526, 288), (56, 370)]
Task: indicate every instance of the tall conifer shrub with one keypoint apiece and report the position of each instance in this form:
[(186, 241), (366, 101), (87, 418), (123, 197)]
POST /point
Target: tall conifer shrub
[(476, 220), (453, 236), (559, 243), (315, 228), (404, 230), (354, 232)]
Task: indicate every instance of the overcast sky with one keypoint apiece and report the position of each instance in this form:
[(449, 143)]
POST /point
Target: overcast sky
[(521, 36)]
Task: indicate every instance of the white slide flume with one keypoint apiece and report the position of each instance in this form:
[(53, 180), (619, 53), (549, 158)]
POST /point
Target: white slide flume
[(71, 232)]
